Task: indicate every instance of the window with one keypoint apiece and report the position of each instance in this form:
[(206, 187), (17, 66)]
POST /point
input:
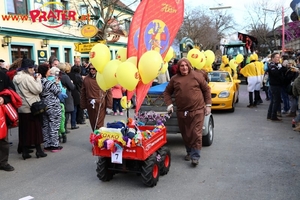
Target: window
[(54, 52), (127, 24), (67, 55), (17, 7), (20, 52), (83, 13), (65, 7)]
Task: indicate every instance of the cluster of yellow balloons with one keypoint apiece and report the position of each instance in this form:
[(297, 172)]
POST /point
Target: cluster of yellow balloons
[(200, 59), (127, 71)]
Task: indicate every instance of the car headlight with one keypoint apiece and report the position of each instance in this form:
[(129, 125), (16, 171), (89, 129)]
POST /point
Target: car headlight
[(224, 94)]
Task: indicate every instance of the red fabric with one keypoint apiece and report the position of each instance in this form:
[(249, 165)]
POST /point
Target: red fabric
[(16, 100), (3, 127), (171, 13), (11, 113), (11, 74)]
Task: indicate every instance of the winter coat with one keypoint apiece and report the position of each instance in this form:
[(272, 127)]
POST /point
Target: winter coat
[(117, 92), (67, 83), (28, 88), (77, 81)]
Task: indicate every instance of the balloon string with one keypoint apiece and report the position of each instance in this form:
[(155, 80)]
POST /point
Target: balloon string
[(100, 104)]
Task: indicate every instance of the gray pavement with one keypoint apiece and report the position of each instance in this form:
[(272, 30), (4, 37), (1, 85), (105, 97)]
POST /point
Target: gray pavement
[(250, 159)]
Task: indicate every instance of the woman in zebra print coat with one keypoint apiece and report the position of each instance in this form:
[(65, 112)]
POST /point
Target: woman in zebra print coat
[(52, 117)]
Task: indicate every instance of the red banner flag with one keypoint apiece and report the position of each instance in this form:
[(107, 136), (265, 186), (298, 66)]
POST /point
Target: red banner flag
[(133, 37), (159, 26)]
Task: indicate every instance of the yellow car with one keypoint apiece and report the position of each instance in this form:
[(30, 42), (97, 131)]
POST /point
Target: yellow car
[(224, 90)]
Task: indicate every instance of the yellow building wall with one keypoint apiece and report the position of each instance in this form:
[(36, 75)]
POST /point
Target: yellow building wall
[(72, 30)]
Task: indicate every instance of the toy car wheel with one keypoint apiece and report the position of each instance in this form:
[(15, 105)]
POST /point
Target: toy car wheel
[(103, 173), (165, 160), (150, 171), (208, 139)]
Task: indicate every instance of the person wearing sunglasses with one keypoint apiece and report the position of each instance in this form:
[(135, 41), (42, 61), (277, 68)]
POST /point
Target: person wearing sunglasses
[(94, 99)]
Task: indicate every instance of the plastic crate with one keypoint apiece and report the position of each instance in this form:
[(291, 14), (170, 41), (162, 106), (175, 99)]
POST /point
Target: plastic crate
[(142, 152)]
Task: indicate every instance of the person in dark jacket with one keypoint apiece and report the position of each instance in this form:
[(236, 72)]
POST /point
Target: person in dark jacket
[(77, 81), (276, 77), (67, 83), (5, 83)]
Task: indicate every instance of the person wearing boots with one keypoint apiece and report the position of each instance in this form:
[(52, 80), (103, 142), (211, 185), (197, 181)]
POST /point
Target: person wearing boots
[(254, 74), (276, 73), (193, 99), (52, 116), (30, 127), (260, 70), (5, 83)]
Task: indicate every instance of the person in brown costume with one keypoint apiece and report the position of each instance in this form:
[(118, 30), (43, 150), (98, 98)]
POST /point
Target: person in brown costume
[(193, 100), (94, 99)]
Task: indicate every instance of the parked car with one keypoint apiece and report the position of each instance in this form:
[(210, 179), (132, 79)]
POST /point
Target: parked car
[(224, 90)]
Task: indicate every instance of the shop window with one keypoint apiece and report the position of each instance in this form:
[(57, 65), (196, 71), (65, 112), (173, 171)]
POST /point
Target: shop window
[(17, 7), (54, 52), (67, 55), (20, 52)]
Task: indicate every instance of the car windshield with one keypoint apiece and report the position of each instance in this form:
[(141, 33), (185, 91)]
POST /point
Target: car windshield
[(234, 51), (219, 77)]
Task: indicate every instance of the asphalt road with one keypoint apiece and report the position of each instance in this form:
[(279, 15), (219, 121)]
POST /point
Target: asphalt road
[(250, 158)]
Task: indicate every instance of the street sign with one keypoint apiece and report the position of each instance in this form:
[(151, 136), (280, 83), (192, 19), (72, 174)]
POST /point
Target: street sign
[(86, 47)]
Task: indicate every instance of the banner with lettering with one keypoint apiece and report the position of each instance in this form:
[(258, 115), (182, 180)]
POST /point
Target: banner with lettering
[(159, 26)]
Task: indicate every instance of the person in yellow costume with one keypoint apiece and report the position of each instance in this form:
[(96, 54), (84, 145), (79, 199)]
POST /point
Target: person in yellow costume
[(254, 73), (225, 65), (260, 67)]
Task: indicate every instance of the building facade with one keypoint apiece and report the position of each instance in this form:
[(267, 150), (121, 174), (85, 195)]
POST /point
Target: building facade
[(37, 29)]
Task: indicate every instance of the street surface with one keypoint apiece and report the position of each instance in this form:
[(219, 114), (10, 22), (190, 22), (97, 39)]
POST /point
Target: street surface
[(250, 159)]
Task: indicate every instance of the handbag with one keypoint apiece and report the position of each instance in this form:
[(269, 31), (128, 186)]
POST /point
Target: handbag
[(11, 113), (36, 108), (3, 127)]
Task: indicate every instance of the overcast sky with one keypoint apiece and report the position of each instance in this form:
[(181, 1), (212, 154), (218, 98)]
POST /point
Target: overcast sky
[(238, 7)]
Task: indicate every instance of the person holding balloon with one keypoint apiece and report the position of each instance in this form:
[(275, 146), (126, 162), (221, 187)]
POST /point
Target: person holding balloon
[(94, 99), (193, 99)]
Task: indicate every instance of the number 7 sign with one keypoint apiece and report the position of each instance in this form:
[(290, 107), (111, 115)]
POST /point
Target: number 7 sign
[(117, 156)]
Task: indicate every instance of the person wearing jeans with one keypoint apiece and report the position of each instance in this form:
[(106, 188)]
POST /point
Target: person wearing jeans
[(117, 94)]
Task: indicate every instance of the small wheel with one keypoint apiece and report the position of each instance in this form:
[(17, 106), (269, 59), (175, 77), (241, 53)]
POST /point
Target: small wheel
[(150, 171), (103, 173), (165, 160), (208, 139)]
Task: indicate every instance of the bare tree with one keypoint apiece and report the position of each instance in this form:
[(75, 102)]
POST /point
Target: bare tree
[(263, 18), (205, 27), (106, 15)]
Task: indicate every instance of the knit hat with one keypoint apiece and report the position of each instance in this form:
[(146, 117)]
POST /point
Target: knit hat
[(53, 70), (26, 63)]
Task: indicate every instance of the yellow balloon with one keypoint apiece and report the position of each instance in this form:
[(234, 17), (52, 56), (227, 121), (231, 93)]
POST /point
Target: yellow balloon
[(169, 55), (100, 56), (164, 68), (232, 63), (150, 65), (133, 60), (124, 103), (210, 57), (239, 58), (109, 73), (202, 61), (127, 75), (194, 57), (122, 54), (101, 82)]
